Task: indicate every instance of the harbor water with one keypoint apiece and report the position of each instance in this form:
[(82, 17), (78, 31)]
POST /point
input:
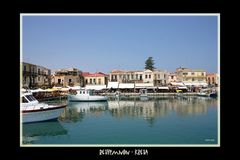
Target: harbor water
[(156, 120)]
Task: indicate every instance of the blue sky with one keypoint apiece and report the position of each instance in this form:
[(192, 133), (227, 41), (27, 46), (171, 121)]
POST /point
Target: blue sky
[(104, 43)]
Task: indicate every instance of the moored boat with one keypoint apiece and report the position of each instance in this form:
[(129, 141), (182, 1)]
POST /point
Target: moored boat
[(207, 93), (33, 111), (85, 95)]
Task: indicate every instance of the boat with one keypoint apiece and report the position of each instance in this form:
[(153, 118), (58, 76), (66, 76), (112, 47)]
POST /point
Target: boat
[(85, 95), (33, 111), (207, 93), (143, 93)]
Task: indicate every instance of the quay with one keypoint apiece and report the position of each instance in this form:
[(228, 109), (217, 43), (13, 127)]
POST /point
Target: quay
[(149, 94), (113, 95)]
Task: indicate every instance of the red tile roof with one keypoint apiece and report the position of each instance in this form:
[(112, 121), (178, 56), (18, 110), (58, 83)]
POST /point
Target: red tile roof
[(98, 74)]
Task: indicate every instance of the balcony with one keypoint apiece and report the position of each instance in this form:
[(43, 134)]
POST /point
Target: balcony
[(28, 73)]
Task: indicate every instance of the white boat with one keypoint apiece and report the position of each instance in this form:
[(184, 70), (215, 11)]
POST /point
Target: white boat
[(33, 111), (84, 95), (207, 93)]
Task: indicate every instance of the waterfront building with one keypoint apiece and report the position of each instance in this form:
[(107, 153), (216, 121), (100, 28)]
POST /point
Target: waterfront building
[(98, 78), (172, 77), (191, 76), (67, 77), (212, 79), (157, 77), (43, 77), (35, 76)]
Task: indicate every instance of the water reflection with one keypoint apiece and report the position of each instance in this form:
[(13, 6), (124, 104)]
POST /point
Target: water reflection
[(77, 110), (32, 131), (160, 107), (146, 107)]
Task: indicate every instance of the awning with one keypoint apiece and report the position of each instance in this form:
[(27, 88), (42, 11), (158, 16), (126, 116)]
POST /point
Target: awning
[(112, 85), (126, 85), (182, 87), (75, 88), (188, 83), (163, 87), (64, 89), (95, 87), (143, 85), (38, 90), (177, 84)]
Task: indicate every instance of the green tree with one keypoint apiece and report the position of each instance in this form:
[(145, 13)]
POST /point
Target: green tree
[(149, 64)]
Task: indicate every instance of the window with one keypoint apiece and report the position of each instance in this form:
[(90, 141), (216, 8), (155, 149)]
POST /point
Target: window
[(94, 81), (70, 80), (30, 98), (128, 76), (158, 75), (185, 73), (124, 76), (24, 100), (113, 77), (193, 79), (86, 81), (140, 76), (132, 76), (136, 76), (165, 76), (145, 76), (90, 80), (59, 81), (213, 80), (149, 76), (202, 74), (171, 77), (192, 73), (25, 68), (38, 70), (38, 78), (99, 80)]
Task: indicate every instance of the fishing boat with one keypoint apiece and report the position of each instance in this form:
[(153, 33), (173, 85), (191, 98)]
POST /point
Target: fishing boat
[(85, 95), (207, 93), (33, 111)]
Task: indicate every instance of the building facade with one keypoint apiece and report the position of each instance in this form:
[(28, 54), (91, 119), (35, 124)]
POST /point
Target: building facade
[(157, 77), (212, 79), (67, 77), (35, 76), (98, 78), (190, 75), (172, 77)]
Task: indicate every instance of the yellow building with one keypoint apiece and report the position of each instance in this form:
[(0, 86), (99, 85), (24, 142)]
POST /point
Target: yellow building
[(156, 77), (98, 78), (191, 75)]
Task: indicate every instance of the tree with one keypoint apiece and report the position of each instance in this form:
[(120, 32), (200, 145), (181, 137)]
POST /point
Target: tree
[(149, 64)]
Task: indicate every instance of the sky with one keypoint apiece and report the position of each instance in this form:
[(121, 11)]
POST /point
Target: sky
[(104, 43)]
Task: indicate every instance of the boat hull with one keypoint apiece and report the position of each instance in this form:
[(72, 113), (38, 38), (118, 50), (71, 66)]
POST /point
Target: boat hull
[(81, 98), (48, 114)]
